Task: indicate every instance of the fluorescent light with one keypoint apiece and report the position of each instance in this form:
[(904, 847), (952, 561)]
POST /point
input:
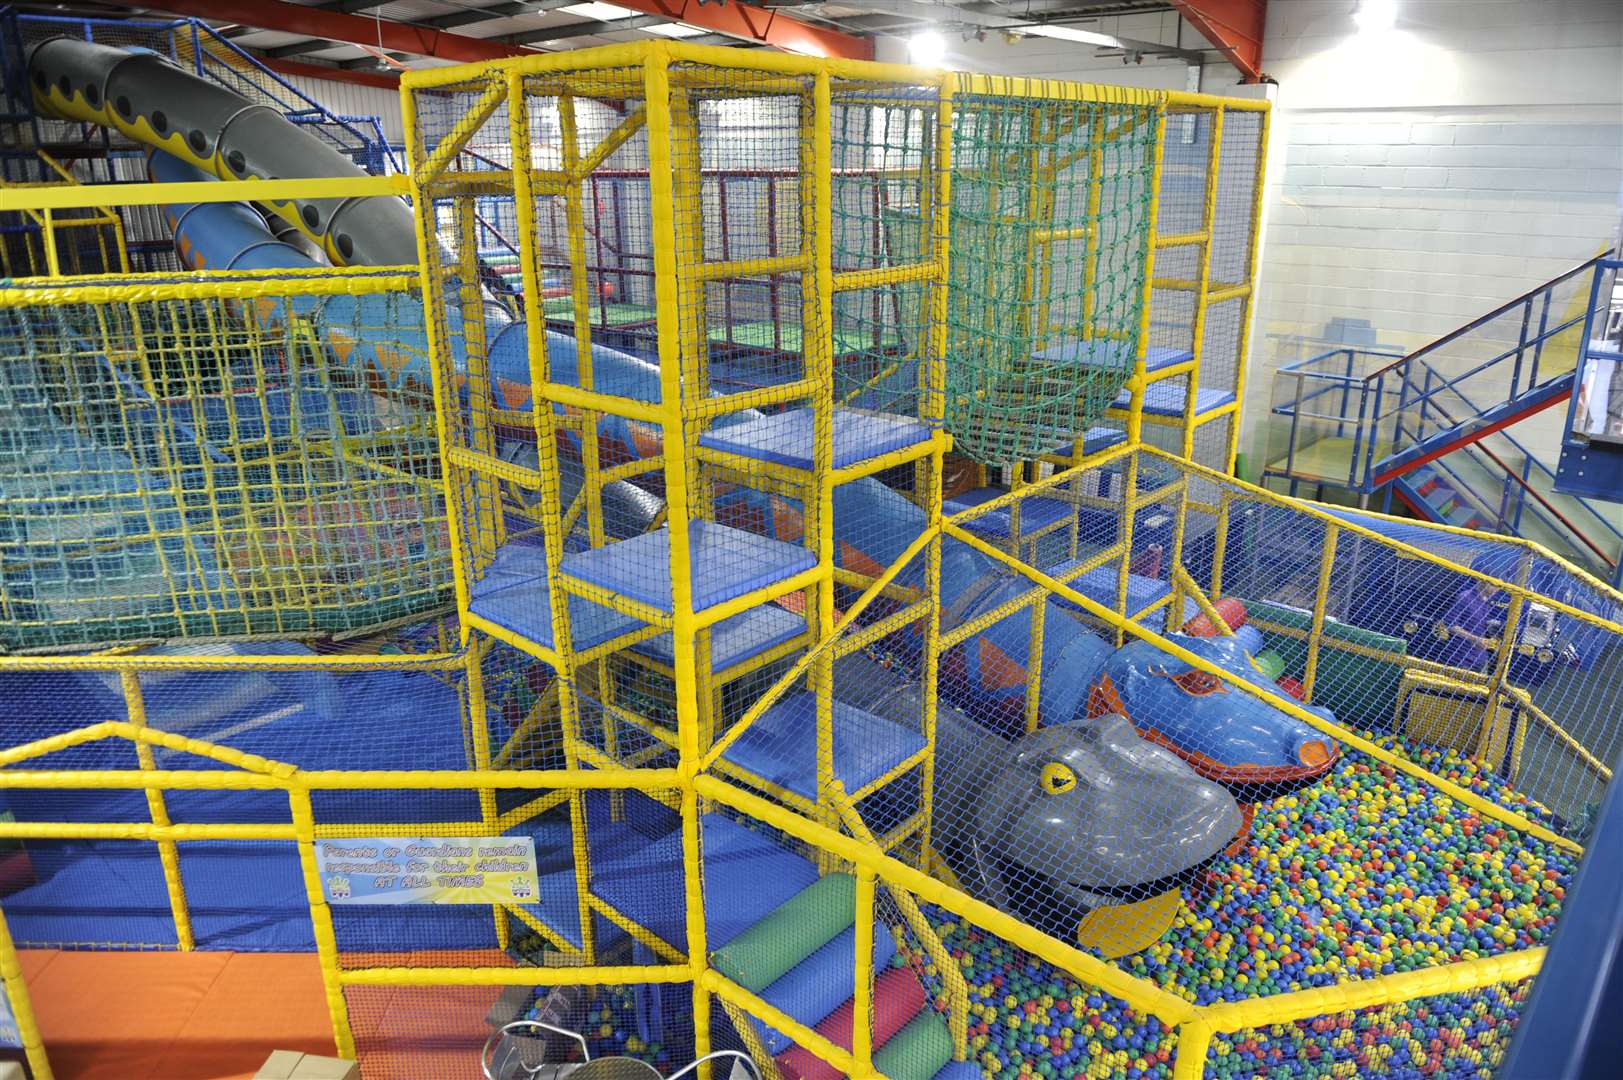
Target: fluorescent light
[(599, 11), (674, 30), (1374, 16), (1069, 33), (927, 48)]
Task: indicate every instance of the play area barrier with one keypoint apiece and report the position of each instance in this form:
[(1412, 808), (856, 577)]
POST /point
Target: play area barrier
[(780, 713)]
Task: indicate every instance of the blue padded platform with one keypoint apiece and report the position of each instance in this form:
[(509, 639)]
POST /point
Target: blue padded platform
[(1035, 512), (736, 639), (513, 594), (1105, 352), (726, 562), (960, 1070), (1095, 440), (781, 747), (786, 438), (746, 875), (821, 983), (1167, 399), (1099, 585)]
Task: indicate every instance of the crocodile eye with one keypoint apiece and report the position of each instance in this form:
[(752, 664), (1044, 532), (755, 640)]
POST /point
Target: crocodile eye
[(1057, 779)]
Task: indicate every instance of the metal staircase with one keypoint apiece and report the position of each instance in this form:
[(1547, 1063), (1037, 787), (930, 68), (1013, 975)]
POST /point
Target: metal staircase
[(1429, 428)]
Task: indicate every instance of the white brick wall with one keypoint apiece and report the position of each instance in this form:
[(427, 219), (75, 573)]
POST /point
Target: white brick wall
[(1419, 179)]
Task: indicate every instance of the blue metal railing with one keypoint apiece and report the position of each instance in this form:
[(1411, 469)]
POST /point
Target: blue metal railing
[(1368, 393)]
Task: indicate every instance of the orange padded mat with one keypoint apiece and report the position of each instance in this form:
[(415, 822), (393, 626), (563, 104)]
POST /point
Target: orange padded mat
[(218, 1015), (174, 1016)]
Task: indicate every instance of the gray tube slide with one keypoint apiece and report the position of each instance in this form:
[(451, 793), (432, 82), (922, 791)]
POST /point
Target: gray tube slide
[(156, 103)]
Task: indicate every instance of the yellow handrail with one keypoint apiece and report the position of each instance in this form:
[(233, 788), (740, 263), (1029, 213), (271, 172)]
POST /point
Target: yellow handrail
[(952, 976)]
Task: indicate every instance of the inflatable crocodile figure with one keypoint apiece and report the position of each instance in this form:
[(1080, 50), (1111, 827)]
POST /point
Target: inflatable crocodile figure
[(1083, 829)]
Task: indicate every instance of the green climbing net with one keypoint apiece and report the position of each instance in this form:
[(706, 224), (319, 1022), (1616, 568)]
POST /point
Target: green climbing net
[(1048, 243)]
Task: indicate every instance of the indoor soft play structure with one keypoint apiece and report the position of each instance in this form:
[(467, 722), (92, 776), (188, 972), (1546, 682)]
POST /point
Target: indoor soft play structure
[(741, 563)]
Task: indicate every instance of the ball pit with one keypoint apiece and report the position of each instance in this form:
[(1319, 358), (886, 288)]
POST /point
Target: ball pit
[(1369, 872), (1366, 873)]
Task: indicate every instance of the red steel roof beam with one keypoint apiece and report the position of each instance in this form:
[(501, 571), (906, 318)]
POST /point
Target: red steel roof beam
[(337, 26), (1234, 27), (765, 27)]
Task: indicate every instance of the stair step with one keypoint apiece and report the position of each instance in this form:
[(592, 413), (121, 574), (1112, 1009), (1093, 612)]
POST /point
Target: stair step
[(725, 563), (746, 875), (781, 747), (786, 438), (821, 983), (918, 1051), (790, 933), (1036, 512), (960, 1070), (898, 997)]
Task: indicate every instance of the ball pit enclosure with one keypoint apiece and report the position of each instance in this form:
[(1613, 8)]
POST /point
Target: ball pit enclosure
[(630, 722)]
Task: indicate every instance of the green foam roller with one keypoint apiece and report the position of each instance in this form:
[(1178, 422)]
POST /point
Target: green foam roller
[(918, 1051), (798, 927), (1271, 664)]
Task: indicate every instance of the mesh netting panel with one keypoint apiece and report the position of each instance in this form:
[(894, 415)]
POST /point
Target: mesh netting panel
[(1456, 1035), (191, 467), (1049, 226)]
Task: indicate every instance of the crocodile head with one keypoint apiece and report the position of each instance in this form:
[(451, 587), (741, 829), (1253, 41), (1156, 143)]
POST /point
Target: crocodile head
[(1253, 748), (1074, 817)]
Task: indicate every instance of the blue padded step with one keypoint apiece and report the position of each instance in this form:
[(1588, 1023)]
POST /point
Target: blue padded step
[(746, 876), (1107, 352), (1167, 399), (735, 639), (1099, 585), (1036, 512), (725, 563), (960, 1070), (781, 747), (821, 983), (1093, 441), (513, 595), (786, 438)]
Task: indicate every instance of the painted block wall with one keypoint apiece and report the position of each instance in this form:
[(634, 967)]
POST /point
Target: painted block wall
[(1418, 177)]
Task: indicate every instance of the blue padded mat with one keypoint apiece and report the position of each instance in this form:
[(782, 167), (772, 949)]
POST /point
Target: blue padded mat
[(746, 876), (1099, 584), (726, 562), (1036, 512), (513, 594), (1167, 398), (1107, 353), (781, 746), (1095, 440), (242, 895), (736, 639), (786, 438)]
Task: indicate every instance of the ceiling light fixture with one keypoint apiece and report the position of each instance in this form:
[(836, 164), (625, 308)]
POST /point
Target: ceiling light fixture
[(927, 48), (1375, 16)]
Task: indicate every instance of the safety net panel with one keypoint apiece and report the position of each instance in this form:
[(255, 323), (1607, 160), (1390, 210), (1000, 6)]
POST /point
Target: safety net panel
[(217, 466), (1300, 818), (1049, 240), (1464, 1034)]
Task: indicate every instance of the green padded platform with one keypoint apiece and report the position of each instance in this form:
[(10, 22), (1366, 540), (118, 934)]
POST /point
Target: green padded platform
[(800, 926), (918, 1051)]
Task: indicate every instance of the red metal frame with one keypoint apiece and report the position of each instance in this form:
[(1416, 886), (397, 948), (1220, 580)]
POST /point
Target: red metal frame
[(761, 25), (336, 26), (1467, 438), (1234, 27), (735, 19), (382, 79)]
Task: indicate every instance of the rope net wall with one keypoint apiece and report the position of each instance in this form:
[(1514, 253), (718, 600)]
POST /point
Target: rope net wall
[(217, 466), (1049, 238)]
